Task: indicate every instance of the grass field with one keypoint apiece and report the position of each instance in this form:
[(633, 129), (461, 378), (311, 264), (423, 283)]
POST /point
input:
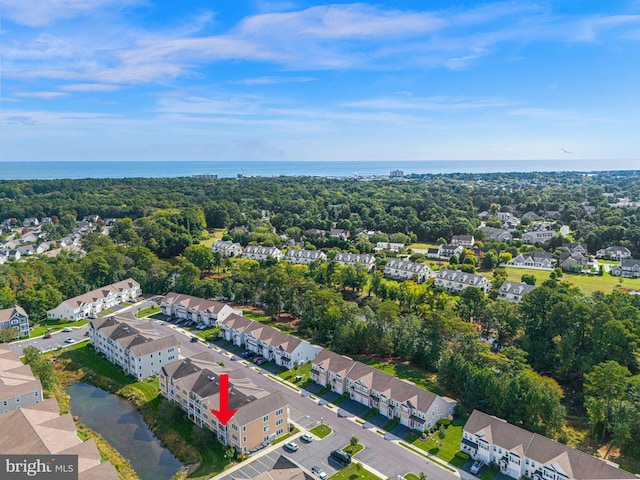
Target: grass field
[(214, 235), (355, 471), (321, 430), (424, 380), (588, 283), (147, 312), (55, 325), (444, 448), (422, 246)]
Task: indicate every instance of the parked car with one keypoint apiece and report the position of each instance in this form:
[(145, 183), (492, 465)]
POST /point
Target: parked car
[(86, 334), (69, 340), (66, 329), (476, 467), (194, 339), (245, 354), (257, 359), (307, 438), (46, 335), (261, 361), (291, 446), (318, 472)]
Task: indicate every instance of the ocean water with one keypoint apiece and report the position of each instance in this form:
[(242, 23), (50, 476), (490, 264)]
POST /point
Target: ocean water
[(121, 169)]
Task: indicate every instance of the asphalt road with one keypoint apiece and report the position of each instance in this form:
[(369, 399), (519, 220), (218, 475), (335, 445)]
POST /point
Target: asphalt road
[(383, 455), (57, 340)]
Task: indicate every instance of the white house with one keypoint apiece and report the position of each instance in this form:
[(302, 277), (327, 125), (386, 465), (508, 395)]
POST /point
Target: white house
[(463, 240), (30, 222), (93, 302), (226, 248), (134, 346), (400, 269), (519, 453), (304, 256), (628, 268), (539, 236), (197, 309), (514, 291), (392, 247), (344, 258), (493, 233), (456, 280), (16, 318), (536, 259), (614, 253), (257, 252)]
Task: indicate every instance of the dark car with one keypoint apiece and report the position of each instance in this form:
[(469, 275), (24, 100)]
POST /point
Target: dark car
[(194, 339), (261, 361), (341, 457), (257, 359)]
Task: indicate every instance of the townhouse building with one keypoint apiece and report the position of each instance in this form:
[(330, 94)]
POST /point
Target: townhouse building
[(39, 429), (614, 253), (400, 269), (344, 258), (391, 247), (466, 241), (226, 248), (257, 252), (134, 346), (493, 233), (628, 268), (539, 236), (416, 408), (16, 318), (91, 303), (209, 312), (194, 384), (304, 257), (457, 280), (19, 388), (536, 259), (519, 453), (514, 291)]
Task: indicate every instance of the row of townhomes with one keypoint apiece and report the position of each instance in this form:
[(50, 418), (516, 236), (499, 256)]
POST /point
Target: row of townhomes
[(92, 303), (194, 384), (209, 312), (522, 454), (283, 349), (536, 259), (31, 425), (416, 408), (628, 268), (133, 345), (400, 269), (457, 280), (16, 318)]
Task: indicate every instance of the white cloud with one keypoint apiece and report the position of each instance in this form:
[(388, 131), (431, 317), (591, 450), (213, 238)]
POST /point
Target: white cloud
[(274, 80), (38, 13), (41, 95), (91, 87)]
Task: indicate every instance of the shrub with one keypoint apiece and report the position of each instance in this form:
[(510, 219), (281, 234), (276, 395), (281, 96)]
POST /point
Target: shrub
[(444, 422)]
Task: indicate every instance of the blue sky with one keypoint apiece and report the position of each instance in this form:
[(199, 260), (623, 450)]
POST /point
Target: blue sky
[(299, 80)]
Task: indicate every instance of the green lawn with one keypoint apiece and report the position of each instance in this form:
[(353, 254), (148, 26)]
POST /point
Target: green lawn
[(422, 246), (321, 430), (55, 325), (213, 236), (213, 332), (391, 424), (355, 471), (422, 379), (288, 435), (411, 476), (303, 371), (488, 473), (444, 448), (588, 283), (147, 312), (370, 414), (353, 449)]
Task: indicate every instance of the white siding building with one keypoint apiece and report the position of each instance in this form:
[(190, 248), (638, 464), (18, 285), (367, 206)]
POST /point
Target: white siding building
[(365, 259), (15, 318), (256, 252), (93, 302), (406, 270), (514, 291), (456, 280), (133, 345), (197, 309), (226, 248), (304, 256)]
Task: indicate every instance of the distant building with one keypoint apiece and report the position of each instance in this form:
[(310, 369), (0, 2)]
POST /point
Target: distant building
[(304, 257), (614, 253), (209, 312), (339, 233), (539, 236), (457, 280), (226, 248), (535, 259), (18, 386), (392, 247), (492, 233), (365, 259), (463, 240), (135, 346), (514, 291), (399, 269), (396, 174), (256, 252), (16, 318), (628, 268)]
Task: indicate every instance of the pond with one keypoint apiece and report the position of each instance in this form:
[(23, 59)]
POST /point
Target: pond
[(118, 421)]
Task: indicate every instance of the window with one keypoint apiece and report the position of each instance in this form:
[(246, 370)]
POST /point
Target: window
[(265, 428), (279, 421), (280, 431), (265, 418), (234, 426), (279, 411), (244, 439), (5, 403), (244, 428)]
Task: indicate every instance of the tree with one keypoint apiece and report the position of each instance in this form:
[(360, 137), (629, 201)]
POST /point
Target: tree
[(529, 279), (201, 256), (8, 334), (489, 260), (353, 441)]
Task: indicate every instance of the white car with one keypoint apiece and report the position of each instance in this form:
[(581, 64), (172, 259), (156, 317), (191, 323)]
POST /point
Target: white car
[(291, 446), (320, 473), (307, 438), (476, 467), (66, 329), (69, 340)]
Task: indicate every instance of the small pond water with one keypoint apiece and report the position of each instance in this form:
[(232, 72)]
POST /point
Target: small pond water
[(118, 421)]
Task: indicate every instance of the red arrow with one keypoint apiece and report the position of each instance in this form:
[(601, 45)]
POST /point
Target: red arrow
[(224, 414)]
